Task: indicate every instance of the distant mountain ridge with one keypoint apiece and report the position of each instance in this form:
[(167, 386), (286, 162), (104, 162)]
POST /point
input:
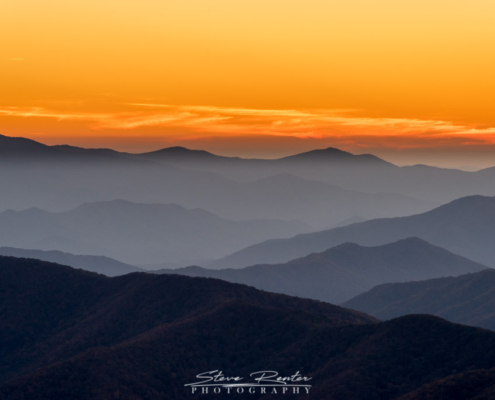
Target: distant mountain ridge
[(58, 178), (100, 264), (465, 226), (20, 146), (331, 154), (179, 153), (137, 233), (466, 299), (363, 173), (22, 149), (344, 271)]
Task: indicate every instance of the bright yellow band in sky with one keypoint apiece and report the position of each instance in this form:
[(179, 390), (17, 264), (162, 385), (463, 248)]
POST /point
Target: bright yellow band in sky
[(283, 75)]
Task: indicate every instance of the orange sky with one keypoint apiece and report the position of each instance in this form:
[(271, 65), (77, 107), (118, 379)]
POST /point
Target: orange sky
[(411, 81)]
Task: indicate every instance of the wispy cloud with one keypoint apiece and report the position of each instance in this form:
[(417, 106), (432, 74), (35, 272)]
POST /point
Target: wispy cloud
[(40, 112), (224, 121)]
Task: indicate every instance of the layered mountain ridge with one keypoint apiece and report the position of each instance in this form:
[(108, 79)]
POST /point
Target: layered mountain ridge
[(344, 271), (467, 299), (465, 227), (137, 233), (58, 178)]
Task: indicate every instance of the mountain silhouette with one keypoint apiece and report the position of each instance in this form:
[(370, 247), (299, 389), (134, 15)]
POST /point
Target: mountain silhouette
[(99, 264), (362, 173), (338, 274), (15, 146), (332, 154), (467, 299), (465, 226), (58, 178), (137, 233), (22, 149), (51, 312), (182, 154), (71, 334)]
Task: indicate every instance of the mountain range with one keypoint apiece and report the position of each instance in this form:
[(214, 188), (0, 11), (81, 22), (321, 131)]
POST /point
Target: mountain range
[(137, 233), (58, 178), (342, 272), (100, 264), (362, 173), (325, 226), (465, 227), (71, 334), (468, 299), (51, 312)]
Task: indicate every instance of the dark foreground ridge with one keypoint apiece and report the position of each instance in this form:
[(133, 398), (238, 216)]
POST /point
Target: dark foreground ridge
[(51, 312), (71, 334), (471, 385)]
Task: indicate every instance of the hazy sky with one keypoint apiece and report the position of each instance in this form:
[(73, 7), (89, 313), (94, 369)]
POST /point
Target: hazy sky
[(410, 80)]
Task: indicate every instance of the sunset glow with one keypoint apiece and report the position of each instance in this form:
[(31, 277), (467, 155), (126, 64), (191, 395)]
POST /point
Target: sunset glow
[(411, 81)]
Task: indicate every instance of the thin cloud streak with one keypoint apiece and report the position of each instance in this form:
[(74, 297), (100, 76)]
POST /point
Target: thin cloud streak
[(197, 121), (40, 112)]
